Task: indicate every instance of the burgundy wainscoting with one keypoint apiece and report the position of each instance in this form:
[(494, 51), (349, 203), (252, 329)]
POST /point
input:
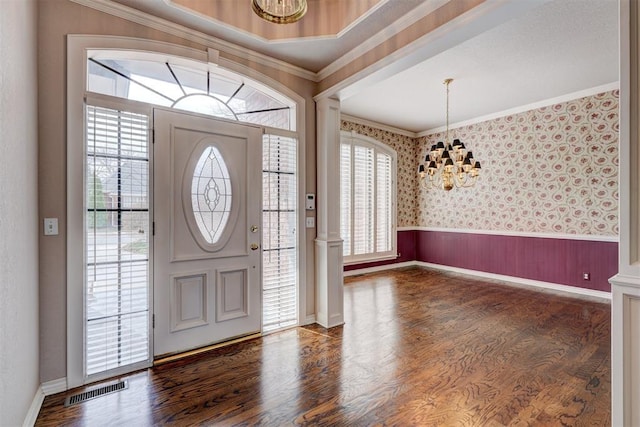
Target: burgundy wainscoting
[(561, 261), (406, 249)]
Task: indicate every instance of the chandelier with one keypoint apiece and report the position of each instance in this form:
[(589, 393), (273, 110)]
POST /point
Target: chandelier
[(449, 165), (280, 11)]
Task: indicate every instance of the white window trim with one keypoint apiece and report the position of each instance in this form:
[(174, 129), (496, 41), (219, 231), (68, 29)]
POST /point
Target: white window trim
[(77, 47), (354, 137)]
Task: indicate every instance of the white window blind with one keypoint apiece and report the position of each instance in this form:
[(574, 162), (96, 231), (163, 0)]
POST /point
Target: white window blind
[(117, 239), (280, 273), (367, 198)]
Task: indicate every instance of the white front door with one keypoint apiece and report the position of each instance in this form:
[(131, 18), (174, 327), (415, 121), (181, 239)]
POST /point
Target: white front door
[(207, 218)]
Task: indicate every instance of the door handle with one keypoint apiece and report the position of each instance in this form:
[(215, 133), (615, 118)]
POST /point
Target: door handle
[(254, 246)]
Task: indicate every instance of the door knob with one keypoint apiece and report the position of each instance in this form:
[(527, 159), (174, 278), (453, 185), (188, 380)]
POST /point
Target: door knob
[(254, 246), (254, 228)]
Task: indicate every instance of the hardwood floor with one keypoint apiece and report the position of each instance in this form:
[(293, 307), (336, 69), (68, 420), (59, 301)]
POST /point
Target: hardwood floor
[(419, 347)]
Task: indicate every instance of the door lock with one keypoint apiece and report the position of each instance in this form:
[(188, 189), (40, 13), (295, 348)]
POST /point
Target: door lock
[(254, 228), (254, 246)]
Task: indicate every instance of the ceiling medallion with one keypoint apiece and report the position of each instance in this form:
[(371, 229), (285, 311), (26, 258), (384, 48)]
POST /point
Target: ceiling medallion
[(448, 165), (280, 11)]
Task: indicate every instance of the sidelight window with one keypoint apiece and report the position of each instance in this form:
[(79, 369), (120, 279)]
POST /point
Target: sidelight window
[(117, 239), (280, 236)]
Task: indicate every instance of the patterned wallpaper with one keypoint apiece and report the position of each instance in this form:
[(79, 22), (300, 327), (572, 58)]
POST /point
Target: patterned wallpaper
[(407, 167), (549, 170)]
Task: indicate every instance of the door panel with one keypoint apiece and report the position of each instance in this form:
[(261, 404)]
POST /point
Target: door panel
[(207, 215)]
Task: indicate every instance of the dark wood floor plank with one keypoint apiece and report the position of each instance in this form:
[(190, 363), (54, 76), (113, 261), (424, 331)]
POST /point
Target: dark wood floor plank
[(419, 347)]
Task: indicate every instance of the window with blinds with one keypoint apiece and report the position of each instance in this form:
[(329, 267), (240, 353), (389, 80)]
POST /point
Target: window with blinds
[(367, 198), (117, 239), (279, 266)]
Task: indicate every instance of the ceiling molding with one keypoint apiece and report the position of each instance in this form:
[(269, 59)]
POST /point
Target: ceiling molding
[(523, 108), (142, 18), (361, 18), (377, 125), (396, 27), (274, 41)]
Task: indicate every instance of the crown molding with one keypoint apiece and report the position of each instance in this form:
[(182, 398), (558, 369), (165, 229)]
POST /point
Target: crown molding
[(377, 125), (160, 24), (391, 30), (361, 18), (523, 108)]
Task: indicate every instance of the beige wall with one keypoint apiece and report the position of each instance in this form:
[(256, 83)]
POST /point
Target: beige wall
[(57, 19), (19, 228)]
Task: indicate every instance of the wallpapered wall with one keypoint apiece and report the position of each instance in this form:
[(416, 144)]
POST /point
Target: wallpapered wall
[(407, 167), (549, 170)]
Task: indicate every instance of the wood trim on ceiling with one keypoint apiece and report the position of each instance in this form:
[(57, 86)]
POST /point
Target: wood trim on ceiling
[(160, 24)]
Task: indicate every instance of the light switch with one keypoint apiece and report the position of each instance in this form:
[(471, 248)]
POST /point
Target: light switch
[(51, 226), (311, 222)]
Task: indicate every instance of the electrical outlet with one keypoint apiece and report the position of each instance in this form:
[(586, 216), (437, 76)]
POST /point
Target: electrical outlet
[(586, 276), (311, 222)]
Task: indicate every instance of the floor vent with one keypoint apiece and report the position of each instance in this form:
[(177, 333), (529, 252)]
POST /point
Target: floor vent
[(92, 394)]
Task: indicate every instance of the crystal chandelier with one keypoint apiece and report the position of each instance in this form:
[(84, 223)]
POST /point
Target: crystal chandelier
[(280, 11), (449, 165)]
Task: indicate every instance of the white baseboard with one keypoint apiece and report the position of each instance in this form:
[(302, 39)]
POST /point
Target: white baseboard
[(311, 319), (54, 386), (34, 409), (518, 280), (45, 389), (511, 279), (378, 268)]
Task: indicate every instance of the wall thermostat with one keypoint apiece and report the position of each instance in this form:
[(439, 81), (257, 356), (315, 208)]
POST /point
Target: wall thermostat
[(311, 202)]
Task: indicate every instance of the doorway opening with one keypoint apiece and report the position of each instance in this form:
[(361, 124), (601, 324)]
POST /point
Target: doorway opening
[(119, 225)]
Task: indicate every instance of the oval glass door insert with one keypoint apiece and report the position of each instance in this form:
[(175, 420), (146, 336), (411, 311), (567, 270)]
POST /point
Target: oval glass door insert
[(211, 195)]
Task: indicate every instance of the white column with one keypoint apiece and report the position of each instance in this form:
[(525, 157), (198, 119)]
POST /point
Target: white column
[(329, 275), (625, 286)]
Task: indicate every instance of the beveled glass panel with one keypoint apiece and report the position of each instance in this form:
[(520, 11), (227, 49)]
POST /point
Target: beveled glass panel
[(211, 194)]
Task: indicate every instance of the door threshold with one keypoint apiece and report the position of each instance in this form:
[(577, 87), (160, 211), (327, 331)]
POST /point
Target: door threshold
[(173, 357)]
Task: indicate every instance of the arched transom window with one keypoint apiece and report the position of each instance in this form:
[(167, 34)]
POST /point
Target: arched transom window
[(196, 87)]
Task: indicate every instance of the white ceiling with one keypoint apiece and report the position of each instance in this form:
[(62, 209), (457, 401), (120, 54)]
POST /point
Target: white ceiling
[(523, 52), (558, 48)]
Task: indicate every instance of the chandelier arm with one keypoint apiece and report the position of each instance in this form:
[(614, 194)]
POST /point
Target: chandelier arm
[(467, 182)]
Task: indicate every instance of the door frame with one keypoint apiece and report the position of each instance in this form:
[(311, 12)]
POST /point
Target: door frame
[(78, 46)]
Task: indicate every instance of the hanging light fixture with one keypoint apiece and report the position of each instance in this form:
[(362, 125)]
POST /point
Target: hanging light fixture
[(449, 165), (280, 11)]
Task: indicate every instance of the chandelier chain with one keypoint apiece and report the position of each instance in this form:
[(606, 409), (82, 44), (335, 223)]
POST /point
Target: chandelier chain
[(446, 137)]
